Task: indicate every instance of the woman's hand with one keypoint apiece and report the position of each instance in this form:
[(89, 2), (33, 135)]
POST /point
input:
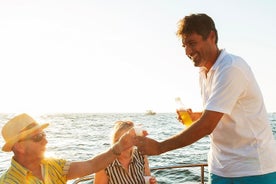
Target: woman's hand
[(153, 180)]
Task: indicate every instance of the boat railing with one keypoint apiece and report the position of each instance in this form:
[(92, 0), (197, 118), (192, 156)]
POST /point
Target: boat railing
[(201, 165)]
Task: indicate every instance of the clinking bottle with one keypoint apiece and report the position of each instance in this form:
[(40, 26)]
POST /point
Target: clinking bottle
[(182, 112)]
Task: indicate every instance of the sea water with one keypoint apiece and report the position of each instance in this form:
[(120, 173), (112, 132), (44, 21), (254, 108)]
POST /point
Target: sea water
[(82, 136)]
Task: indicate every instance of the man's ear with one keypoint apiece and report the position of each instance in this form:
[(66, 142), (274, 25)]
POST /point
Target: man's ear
[(212, 36)]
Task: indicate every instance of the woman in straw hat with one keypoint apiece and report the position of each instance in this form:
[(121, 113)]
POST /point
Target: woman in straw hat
[(26, 139)]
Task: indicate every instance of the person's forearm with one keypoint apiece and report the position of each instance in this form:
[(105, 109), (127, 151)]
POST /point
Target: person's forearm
[(102, 160), (202, 127), (184, 138), (97, 163)]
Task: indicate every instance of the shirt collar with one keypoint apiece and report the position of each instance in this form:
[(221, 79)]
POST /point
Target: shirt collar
[(217, 62), (219, 59), (19, 168)]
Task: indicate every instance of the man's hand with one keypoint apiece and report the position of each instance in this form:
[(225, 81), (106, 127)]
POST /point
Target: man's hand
[(147, 146)]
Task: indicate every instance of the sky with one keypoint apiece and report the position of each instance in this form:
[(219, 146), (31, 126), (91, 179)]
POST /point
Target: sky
[(98, 56)]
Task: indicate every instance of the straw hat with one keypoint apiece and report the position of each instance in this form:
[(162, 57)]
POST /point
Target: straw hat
[(19, 128)]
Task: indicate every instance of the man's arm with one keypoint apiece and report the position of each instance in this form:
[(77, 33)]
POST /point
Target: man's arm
[(101, 161), (200, 128)]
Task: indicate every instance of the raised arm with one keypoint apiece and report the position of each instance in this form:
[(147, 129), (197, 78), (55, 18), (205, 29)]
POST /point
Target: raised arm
[(101, 161)]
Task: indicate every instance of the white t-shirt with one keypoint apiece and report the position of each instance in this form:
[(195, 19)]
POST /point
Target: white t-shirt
[(242, 144)]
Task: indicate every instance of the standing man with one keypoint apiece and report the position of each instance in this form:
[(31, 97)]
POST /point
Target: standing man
[(242, 144), (27, 140)]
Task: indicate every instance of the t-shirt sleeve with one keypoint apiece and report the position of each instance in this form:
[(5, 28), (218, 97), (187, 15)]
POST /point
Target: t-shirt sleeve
[(228, 87)]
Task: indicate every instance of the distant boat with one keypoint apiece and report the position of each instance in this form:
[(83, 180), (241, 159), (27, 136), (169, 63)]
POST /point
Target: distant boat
[(150, 112)]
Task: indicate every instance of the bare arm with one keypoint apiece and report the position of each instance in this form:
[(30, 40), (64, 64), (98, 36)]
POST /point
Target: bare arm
[(101, 177), (101, 161), (147, 171), (147, 168), (200, 128)]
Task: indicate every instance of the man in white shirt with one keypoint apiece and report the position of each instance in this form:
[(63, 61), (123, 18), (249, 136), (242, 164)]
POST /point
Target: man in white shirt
[(242, 144)]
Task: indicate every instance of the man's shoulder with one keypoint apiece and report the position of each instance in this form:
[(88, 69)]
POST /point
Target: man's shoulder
[(228, 61), (53, 161)]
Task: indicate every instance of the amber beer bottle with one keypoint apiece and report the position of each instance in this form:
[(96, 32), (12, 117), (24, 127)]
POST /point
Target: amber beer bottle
[(183, 114)]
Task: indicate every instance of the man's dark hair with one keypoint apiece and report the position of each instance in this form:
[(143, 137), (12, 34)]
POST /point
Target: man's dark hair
[(201, 24)]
